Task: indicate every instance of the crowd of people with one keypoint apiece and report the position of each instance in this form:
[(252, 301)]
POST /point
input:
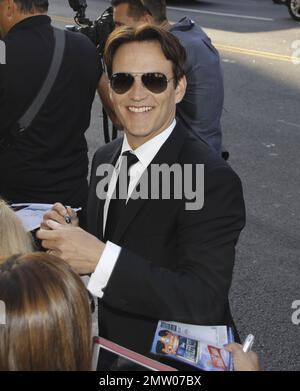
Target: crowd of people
[(149, 258)]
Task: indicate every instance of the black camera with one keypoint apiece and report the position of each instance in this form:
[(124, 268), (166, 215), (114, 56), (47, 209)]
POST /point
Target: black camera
[(97, 31)]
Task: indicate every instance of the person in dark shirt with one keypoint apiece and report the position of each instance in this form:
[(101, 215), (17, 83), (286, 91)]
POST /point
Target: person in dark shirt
[(48, 161)]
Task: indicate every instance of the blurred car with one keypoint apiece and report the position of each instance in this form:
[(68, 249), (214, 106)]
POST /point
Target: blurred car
[(293, 7)]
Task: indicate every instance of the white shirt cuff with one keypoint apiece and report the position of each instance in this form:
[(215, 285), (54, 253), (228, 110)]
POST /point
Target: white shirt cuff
[(104, 269)]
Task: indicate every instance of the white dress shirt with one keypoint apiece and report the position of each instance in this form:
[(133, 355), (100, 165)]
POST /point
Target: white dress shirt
[(145, 153)]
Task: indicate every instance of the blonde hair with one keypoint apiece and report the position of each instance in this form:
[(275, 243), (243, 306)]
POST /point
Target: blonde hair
[(13, 237), (48, 318)]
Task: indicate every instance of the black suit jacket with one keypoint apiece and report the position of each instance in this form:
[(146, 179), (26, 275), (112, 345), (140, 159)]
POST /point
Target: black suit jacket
[(174, 264)]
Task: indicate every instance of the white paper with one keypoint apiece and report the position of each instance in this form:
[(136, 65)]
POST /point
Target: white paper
[(32, 214)]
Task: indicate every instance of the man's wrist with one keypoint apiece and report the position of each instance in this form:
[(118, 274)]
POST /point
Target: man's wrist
[(95, 257), (102, 273)]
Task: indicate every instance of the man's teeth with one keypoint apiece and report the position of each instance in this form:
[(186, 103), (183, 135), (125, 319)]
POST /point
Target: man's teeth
[(139, 109)]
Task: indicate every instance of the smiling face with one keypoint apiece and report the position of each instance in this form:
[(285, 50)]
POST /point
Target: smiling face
[(143, 113)]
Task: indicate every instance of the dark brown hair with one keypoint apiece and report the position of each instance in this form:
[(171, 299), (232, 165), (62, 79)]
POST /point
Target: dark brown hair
[(31, 6), (170, 46), (138, 8), (48, 320)]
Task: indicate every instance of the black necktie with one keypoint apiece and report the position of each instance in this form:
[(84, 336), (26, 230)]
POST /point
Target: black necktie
[(117, 204)]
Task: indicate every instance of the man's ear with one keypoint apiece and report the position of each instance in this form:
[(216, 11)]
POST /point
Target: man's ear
[(147, 19), (11, 8), (180, 89)]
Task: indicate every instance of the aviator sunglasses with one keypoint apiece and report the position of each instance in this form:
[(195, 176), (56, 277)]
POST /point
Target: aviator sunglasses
[(154, 81)]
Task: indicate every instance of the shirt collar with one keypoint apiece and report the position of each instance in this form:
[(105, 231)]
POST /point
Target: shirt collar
[(147, 151)]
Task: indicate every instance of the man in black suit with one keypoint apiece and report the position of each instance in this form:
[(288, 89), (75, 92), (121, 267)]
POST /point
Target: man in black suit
[(165, 258)]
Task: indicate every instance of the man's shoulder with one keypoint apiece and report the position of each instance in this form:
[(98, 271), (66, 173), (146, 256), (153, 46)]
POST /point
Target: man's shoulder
[(81, 49), (83, 54), (195, 40), (219, 177), (80, 40), (188, 31), (106, 151), (197, 151)]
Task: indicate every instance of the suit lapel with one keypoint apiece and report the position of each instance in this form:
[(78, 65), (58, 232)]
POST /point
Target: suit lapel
[(101, 201), (168, 154)]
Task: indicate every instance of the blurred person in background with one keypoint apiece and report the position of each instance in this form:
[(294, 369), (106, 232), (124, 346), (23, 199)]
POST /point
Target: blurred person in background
[(13, 237), (48, 319)]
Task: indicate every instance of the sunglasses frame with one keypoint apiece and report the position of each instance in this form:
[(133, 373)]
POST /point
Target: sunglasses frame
[(141, 74)]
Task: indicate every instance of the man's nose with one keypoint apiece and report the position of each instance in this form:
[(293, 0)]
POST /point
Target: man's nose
[(138, 91)]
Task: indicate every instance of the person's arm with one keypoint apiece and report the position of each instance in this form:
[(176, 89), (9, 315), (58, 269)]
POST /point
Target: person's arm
[(243, 361), (103, 92)]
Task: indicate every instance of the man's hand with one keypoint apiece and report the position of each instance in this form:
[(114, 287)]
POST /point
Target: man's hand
[(58, 213), (79, 248), (242, 361)]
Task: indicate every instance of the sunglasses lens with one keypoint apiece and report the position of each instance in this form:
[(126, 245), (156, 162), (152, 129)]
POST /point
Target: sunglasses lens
[(155, 82), (121, 82)]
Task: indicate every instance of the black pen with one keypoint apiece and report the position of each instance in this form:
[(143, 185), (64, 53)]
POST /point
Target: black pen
[(67, 218)]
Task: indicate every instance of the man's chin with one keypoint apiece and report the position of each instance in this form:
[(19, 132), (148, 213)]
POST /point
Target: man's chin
[(139, 133), (137, 128), (138, 137)]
